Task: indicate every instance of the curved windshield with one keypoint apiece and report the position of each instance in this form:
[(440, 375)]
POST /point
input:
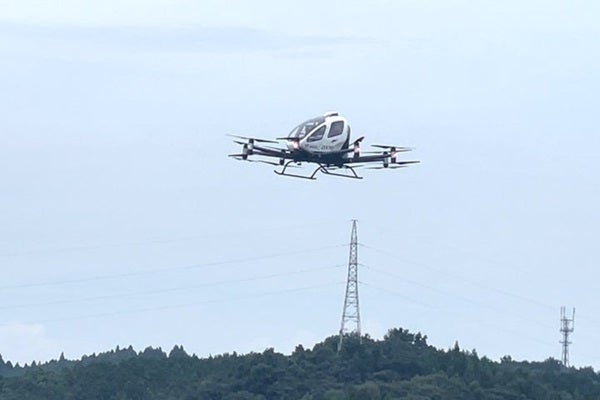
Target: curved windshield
[(305, 128), (317, 135)]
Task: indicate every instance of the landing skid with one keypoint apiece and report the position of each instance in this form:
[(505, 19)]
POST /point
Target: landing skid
[(320, 168), (353, 176)]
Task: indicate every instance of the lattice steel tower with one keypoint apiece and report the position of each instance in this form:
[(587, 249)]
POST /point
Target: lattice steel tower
[(351, 313), (567, 326)]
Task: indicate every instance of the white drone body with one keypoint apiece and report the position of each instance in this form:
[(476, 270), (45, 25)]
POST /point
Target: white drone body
[(325, 141)]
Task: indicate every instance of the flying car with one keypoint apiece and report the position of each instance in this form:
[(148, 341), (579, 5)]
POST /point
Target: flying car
[(324, 141)]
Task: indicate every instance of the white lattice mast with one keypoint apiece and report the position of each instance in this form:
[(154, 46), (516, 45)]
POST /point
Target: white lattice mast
[(351, 313), (567, 326)]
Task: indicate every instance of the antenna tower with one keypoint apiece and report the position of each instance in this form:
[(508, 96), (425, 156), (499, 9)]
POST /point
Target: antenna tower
[(567, 326), (351, 313)]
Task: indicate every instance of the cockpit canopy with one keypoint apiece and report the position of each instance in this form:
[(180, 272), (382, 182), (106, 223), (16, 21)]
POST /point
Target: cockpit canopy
[(326, 134), (305, 128)]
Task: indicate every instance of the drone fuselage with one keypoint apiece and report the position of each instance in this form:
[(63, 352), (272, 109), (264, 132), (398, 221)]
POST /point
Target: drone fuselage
[(324, 135), (324, 141)]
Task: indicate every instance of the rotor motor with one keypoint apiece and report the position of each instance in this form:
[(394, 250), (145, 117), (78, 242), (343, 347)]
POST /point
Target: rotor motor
[(356, 150), (248, 149)]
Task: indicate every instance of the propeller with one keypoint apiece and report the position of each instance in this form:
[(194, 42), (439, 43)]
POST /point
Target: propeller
[(251, 139), (264, 162), (400, 164), (392, 148), (390, 152), (242, 157), (393, 166), (266, 147)]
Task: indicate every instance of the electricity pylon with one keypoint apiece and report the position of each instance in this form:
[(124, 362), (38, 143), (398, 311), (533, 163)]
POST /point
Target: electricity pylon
[(351, 313)]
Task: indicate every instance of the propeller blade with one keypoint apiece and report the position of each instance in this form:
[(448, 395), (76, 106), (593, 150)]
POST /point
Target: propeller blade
[(399, 164), (264, 162), (251, 138), (391, 166), (397, 148), (272, 163), (240, 157), (357, 141), (405, 163)]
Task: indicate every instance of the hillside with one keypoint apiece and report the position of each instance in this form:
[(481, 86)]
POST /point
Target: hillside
[(400, 366)]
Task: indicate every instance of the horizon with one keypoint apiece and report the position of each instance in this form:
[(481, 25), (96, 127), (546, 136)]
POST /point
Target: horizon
[(167, 352)]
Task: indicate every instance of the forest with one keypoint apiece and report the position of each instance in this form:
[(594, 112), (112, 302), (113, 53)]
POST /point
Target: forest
[(402, 365)]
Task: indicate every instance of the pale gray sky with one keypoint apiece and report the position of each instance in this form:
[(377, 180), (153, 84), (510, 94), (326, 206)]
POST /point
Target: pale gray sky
[(116, 193)]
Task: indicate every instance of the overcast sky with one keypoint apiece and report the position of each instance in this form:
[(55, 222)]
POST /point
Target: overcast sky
[(123, 222)]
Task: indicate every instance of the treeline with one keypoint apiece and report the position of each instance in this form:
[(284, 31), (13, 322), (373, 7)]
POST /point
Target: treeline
[(401, 366)]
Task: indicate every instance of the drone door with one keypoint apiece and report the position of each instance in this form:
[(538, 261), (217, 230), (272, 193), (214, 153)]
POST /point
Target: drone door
[(335, 137)]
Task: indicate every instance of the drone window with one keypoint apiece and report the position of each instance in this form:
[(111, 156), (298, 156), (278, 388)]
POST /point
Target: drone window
[(317, 135), (337, 128), (305, 128)]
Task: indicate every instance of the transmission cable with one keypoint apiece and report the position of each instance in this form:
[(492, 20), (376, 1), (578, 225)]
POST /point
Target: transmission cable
[(168, 290), (185, 305), (171, 269)]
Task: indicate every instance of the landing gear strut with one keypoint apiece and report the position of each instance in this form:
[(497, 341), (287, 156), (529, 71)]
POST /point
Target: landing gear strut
[(321, 168)]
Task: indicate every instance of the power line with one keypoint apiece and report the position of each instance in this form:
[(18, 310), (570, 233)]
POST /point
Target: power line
[(396, 293), (154, 241), (461, 278), (168, 290), (183, 305), (512, 332), (459, 297), (479, 285), (171, 269)]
